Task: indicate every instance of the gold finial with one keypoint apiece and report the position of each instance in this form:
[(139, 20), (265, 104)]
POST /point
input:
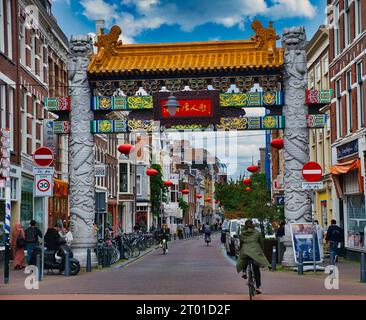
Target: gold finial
[(110, 40)]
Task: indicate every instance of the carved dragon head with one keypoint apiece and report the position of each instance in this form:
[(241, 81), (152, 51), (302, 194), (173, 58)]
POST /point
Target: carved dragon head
[(294, 38), (81, 45)]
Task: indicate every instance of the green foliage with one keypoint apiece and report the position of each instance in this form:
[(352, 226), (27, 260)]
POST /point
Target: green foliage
[(158, 191), (183, 205), (256, 203)]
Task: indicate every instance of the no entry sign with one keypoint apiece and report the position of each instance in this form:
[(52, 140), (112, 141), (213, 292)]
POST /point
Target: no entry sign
[(312, 171), (43, 156)]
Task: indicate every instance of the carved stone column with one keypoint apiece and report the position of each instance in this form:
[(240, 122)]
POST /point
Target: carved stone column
[(296, 135), (81, 146)]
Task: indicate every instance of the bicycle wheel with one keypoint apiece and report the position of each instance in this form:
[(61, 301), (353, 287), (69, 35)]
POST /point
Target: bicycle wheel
[(127, 253), (135, 252), (118, 254), (251, 284)]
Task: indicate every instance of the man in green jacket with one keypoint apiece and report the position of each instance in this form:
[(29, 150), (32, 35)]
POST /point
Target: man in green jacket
[(251, 247)]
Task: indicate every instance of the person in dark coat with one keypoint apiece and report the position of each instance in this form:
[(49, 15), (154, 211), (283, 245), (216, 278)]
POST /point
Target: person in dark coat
[(52, 238), (334, 236), (251, 247)]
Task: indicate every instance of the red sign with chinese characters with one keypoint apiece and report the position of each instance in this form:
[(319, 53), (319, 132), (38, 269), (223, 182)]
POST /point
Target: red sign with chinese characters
[(189, 108)]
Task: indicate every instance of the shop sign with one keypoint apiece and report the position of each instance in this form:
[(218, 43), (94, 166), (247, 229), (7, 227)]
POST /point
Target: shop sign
[(347, 149)]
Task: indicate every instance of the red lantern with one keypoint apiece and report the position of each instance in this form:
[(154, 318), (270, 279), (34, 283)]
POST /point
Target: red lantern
[(125, 148), (185, 191), (208, 199), (248, 189), (216, 201), (246, 181), (168, 183), (199, 196), (253, 168), (151, 172), (277, 143)]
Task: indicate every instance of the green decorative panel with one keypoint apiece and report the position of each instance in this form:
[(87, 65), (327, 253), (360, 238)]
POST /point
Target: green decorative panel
[(108, 126), (141, 125), (252, 123), (318, 96), (140, 102), (251, 99), (108, 103), (61, 127), (57, 104), (316, 120)]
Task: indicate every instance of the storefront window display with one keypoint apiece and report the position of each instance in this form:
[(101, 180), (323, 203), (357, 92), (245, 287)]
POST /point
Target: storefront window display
[(356, 221), (26, 206)]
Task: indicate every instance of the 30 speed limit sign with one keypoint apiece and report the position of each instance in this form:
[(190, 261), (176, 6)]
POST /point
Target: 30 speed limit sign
[(43, 185)]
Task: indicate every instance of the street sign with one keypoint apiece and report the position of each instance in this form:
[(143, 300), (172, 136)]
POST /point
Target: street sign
[(43, 185), (312, 171), (45, 170), (312, 185), (100, 170), (280, 200), (43, 157)]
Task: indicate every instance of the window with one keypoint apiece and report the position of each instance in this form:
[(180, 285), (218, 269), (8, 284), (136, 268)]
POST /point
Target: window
[(360, 96), (22, 42), (41, 73), (358, 20), (33, 52), (138, 184), (356, 221), (11, 117), (2, 31), (24, 122), (317, 77), (337, 31), (347, 23), (339, 108), (325, 77), (8, 29), (3, 104), (174, 193), (123, 177), (349, 102)]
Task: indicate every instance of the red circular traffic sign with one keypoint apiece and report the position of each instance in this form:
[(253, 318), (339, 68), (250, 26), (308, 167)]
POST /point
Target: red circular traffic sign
[(43, 185), (43, 157), (312, 171)]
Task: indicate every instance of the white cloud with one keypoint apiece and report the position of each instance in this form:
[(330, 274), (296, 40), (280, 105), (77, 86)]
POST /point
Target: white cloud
[(188, 14)]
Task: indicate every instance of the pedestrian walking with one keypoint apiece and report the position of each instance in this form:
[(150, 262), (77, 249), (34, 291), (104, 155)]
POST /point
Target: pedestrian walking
[(180, 231), (32, 235), (17, 246), (334, 236), (187, 231)]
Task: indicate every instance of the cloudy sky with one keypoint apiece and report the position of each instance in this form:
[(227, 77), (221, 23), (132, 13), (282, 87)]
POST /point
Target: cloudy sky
[(154, 21)]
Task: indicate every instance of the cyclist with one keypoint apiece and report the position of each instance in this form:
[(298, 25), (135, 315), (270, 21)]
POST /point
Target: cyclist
[(164, 234), (251, 247), (207, 230)]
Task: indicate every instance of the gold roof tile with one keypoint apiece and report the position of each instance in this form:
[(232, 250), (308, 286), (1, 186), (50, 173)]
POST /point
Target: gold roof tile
[(117, 58)]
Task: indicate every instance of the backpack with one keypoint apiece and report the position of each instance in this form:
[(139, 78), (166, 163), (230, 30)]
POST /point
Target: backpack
[(20, 242), (337, 234), (30, 234)]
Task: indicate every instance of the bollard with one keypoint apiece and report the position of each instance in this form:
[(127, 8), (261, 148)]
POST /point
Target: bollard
[(67, 264), (274, 258), (363, 268), (39, 267), (88, 261), (300, 265)]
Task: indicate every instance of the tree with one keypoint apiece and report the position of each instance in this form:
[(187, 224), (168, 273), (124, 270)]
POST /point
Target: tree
[(158, 191), (182, 204), (255, 204)]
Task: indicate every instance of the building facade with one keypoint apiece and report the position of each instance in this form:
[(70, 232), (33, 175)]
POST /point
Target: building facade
[(320, 143), (347, 64)]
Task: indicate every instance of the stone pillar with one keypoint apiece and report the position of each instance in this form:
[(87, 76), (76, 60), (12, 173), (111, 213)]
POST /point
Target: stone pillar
[(296, 134), (81, 148)]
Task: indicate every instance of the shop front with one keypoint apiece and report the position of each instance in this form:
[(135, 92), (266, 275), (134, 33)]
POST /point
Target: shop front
[(58, 205), (26, 203), (348, 183), (111, 218)]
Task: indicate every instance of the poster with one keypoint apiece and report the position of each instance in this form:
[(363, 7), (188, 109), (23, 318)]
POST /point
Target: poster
[(302, 235)]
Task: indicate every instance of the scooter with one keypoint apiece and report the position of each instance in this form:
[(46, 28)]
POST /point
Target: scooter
[(50, 261), (207, 238)]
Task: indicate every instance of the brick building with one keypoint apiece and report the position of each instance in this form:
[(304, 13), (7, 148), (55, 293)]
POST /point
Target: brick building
[(347, 64)]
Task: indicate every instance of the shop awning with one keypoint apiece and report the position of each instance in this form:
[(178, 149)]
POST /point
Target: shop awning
[(343, 168)]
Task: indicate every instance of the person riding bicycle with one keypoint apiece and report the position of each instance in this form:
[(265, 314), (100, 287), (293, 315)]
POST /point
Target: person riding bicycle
[(251, 247), (164, 234), (207, 230)]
